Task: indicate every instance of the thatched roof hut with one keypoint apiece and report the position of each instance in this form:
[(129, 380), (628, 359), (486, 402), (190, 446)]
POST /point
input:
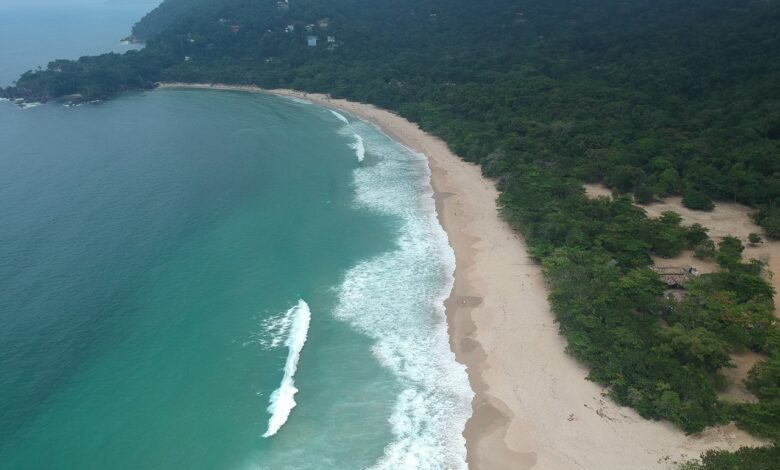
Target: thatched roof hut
[(675, 276)]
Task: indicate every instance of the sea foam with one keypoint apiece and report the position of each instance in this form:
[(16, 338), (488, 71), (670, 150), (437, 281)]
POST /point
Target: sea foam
[(397, 299), (359, 144), (295, 323)]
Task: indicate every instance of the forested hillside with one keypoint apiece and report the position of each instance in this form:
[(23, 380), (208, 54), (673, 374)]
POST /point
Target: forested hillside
[(171, 12), (669, 97)]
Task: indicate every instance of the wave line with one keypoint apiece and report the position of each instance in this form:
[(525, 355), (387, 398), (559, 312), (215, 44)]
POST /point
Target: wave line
[(283, 398)]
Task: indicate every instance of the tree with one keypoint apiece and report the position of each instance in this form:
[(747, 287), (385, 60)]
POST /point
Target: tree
[(699, 346), (643, 194), (764, 379), (670, 182), (769, 219), (668, 235), (695, 235), (729, 252), (697, 200), (625, 178), (746, 458)]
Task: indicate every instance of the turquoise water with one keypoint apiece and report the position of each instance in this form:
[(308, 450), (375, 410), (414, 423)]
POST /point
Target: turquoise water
[(161, 255), (213, 280)]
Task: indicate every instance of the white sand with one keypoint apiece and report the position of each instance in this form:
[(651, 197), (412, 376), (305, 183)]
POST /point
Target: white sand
[(533, 406)]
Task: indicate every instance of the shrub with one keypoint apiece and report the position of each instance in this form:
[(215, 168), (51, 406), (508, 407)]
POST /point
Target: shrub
[(697, 200), (746, 458), (729, 252), (705, 250), (695, 235), (644, 194)]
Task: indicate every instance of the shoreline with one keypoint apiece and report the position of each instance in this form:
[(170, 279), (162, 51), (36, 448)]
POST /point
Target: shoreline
[(533, 406)]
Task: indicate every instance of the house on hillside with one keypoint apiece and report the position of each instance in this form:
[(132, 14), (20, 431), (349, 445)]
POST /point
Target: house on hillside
[(290, 28), (323, 23), (283, 5), (311, 41)]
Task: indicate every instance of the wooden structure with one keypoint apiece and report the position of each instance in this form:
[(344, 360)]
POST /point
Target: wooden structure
[(675, 276)]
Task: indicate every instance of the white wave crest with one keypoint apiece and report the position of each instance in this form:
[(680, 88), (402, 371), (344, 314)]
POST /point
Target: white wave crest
[(359, 146), (296, 324), (397, 299), (340, 116)]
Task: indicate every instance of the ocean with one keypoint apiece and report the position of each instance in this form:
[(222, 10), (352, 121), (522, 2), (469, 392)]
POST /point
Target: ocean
[(219, 280), (34, 32)]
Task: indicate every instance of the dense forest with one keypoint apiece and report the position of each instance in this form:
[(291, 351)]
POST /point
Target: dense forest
[(670, 97)]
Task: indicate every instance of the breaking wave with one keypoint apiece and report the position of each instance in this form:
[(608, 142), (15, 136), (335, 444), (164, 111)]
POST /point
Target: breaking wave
[(339, 116), (359, 144), (397, 299), (295, 326)]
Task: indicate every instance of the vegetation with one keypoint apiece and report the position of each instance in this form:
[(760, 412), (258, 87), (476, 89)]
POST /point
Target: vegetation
[(743, 459), (605, 93), (672, 97), (769, 218), (697, 200), (171, 12)]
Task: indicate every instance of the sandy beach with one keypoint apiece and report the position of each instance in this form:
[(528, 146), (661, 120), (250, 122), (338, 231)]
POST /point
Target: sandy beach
[(533, 406)]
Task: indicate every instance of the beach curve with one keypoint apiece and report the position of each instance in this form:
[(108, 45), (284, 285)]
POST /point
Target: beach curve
[(533, 406)]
